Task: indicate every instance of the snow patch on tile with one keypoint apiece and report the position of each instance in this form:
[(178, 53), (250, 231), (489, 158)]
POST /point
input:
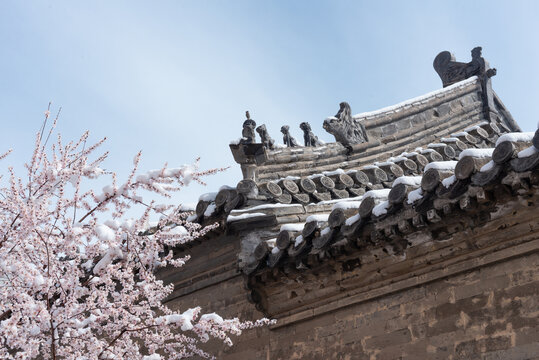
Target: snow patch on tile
[(232, 218), (318, 217), (407, 180), (292, 227), (528, 152), (352, 220), (415, 195), (477, 153), (208, 196), (487, 167), (377, 194), (516, 137), (381, 209), (441, 165), (264, 206), (447, 182)]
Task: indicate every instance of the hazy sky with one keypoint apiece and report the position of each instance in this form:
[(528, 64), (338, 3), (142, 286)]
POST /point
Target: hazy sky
[(174, 78)]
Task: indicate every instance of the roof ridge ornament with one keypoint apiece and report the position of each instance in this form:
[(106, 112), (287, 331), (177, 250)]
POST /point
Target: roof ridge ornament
[(452, 71), (347, 130), (266, 139), (308, 135), (248, 132), (288, 139)]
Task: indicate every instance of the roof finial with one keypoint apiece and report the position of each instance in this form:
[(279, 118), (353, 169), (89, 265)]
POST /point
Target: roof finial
[(345, 128), (248, 132), (452, 71)]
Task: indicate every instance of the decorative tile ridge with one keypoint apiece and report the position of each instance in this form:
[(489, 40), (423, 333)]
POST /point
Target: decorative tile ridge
[(233, 207), (419, 100), (478, 179), (343, 184)]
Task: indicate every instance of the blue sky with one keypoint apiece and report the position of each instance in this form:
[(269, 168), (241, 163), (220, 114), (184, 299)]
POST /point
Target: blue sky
[(174, 78)]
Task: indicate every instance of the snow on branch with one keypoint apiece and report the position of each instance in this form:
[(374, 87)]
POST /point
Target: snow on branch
[(77, 276)]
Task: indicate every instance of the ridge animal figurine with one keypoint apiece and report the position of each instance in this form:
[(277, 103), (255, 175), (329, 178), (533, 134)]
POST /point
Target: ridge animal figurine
[(347, 130), (308, 135), (288, 140), (452, 71), (264, 136), (248, 132)]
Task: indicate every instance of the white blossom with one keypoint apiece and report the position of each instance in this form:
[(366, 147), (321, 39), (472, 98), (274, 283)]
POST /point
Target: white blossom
[(73, 286)]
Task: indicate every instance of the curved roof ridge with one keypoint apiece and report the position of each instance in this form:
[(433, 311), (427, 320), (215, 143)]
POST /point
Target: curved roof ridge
[(418, 99)]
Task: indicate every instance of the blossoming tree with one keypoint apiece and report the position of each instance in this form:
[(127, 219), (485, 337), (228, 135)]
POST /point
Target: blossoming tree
[(73, 286)]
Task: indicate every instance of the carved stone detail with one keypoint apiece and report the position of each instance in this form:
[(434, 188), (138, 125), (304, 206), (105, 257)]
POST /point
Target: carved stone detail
[(267, 141), (345, 128), (248, 132), (308, 135), (452, 71), (288, 140)]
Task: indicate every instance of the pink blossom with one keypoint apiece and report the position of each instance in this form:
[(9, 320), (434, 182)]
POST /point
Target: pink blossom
[(75, 286)]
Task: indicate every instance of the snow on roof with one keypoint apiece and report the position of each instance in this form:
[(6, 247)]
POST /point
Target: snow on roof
[(263, 206), (325, 231), (477, 153), (377, 194), (515, 137), (380, 209), (318, 217), (207, 196), (475, 127), (209, 210), (441, 165), (352, 220), (333, 201), (487, 167), (188, 207), (290, 177), (335, 172), (408, 180), (412, 153), (414, 195), (384, 163), (298, 240), (271, 242), (417, 100), (398, 158), (232, 218), (450, 139), (447, 182), (292, 227), (528, 152), (436, 145), (346, 205)]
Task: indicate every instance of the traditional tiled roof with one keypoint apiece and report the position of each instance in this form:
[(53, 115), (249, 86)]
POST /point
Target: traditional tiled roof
[(321, 190), (391, 131), (427, 159), (470, 189), (409, 203)]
